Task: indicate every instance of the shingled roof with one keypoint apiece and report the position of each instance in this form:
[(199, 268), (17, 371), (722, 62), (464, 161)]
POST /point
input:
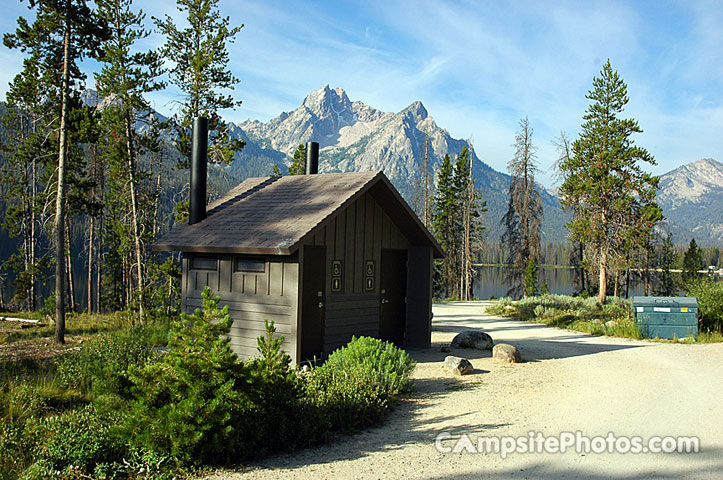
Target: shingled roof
[(276, 215)]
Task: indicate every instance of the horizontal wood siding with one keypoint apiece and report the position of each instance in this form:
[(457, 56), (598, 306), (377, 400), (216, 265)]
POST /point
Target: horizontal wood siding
[(252, 298), (348, 315)]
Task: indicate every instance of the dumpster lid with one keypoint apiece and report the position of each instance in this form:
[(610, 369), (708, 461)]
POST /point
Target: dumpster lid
[(640, 301)]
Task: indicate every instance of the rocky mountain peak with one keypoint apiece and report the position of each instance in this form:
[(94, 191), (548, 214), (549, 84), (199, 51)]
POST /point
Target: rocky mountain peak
[(417, 111), (692, 199)]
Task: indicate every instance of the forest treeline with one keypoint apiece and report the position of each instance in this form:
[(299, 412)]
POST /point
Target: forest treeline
[(89, 180)]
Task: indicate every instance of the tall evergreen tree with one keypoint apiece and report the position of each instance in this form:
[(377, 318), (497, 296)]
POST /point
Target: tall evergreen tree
[(443, 221), (458, 212), (610, 197), (124, 79), (666, 260), (28, 150), (298, 163), (62, 34), (692, 262), (523, 219), (200, 61)]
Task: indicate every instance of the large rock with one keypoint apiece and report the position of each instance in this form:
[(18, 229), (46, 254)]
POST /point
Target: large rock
[(506, 353), (457, 365), (472, 339)]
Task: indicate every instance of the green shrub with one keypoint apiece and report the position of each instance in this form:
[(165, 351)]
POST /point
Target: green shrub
[(17, 450), (80, 438), (185, 405), (101, 365), (358, 384), (710, 301), (274, 391)]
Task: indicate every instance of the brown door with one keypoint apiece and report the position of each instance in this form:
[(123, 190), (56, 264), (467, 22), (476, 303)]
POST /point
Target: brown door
[(312, 303), (393, 290)]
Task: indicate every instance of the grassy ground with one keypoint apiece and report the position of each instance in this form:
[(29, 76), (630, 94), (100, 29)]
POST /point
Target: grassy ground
[(614, 318), (21, 340)]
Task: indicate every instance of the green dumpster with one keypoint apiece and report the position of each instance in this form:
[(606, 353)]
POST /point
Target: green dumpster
[(666, 317)]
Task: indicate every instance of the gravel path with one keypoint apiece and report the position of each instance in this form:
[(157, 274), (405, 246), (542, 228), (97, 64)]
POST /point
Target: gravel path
[(569, 382)]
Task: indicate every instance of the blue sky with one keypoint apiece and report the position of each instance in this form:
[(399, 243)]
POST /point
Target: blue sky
[(478, 67)]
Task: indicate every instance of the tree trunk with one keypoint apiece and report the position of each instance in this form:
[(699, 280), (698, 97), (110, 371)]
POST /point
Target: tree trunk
[(33, 242), (617, 281), (647, 271), (603, 276), (69, 264), (134, 209), (60, 197), (99, 250), (91, 227), (157, 194)]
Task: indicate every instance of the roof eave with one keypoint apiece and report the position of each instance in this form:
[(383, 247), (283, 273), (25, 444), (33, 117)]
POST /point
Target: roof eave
[(238, 250)]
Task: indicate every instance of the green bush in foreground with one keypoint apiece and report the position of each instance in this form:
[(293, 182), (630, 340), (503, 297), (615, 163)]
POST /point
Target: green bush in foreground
[(358, 383), (118, 410), (184, 405)]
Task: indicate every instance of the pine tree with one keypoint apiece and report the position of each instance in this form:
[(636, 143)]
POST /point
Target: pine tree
[(124, 79), (62, 34), (298, 163), (610, 197), (457, 224), (27, 149), (443, 221), (523, 219), (200, 59), (666, 257), (692, 262)]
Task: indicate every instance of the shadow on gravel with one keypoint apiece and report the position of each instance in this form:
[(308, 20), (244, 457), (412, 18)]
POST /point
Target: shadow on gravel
[(708, 464)]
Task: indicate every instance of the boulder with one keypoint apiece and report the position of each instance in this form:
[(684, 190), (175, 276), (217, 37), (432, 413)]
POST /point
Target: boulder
[(506, 353), (472, 339), (444, 349), (457, 365)]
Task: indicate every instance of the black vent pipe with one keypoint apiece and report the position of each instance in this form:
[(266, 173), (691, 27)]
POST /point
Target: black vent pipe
[(199, 160), (312, 158)]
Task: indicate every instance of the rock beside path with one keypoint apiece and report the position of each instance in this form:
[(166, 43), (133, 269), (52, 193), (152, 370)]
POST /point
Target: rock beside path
[(506, 353), (472, 339), (457, 365)]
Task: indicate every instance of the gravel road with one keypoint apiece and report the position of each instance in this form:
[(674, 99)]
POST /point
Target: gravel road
[(569, 382)]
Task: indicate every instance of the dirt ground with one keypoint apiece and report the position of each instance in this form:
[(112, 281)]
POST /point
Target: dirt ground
[(569, 382)]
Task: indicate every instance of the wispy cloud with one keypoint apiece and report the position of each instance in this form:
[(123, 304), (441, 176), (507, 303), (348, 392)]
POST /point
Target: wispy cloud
[(481, 66)]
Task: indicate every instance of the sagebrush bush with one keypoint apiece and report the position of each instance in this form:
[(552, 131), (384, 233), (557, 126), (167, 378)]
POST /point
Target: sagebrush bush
[(710, 304), (357, 384), (103, 362)]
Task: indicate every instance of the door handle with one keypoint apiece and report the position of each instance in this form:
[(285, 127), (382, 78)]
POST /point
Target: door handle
[(321, 305), (384, 300)]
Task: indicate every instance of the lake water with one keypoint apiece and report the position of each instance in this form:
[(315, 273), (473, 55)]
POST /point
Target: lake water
[(490, 282)]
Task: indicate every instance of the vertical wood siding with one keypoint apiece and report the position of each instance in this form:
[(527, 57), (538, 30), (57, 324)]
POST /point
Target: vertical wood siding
[(354, 236)]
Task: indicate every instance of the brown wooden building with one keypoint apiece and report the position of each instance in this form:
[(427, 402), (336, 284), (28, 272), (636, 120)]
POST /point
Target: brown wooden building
[(325, 256)]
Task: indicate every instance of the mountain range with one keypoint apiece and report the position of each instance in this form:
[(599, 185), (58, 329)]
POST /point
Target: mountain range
[(692, 200), (354, 136)]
